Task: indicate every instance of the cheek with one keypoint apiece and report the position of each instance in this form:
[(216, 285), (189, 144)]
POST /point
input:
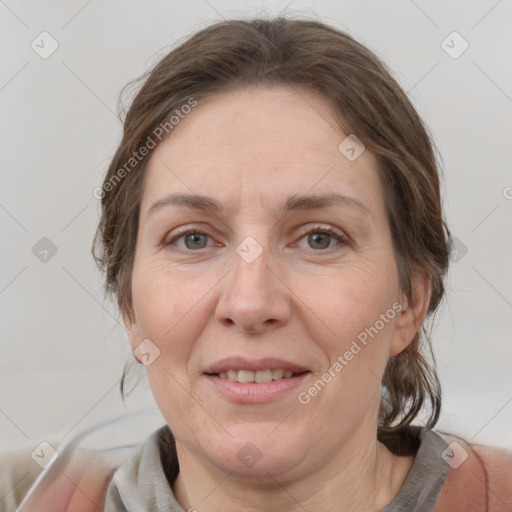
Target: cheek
[(358, 313), (355, 300), (355, 342), (171, 311), (163, 299)]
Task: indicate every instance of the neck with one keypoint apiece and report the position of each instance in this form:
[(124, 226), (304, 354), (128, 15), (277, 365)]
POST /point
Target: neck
[(357, 477)]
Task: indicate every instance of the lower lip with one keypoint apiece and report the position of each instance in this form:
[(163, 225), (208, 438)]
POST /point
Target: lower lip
[(255, 392)]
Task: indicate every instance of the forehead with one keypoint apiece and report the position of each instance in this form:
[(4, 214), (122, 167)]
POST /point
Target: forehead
[(264, 141)]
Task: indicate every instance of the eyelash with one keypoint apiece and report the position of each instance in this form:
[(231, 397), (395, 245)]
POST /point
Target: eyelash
[(340, 237)]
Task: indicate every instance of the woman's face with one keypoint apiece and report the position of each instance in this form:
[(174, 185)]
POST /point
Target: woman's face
[(288, 265)]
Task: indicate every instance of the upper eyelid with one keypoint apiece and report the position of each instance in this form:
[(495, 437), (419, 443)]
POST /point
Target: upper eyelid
[(186, 229), (326, 228)]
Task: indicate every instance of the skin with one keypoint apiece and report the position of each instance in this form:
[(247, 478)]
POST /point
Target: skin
[(250, 149)]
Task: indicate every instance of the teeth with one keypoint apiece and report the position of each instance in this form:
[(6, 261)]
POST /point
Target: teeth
[(248, 376), (263, 376), (245, 376), (277, 374)]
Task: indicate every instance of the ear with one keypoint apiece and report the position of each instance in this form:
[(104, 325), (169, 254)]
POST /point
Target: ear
[(132, 327), (413, 314)]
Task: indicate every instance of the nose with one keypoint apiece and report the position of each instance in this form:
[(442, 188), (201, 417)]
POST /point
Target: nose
[(253, 297)]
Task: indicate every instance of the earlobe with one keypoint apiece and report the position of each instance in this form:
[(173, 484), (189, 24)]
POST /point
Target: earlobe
[(413, 313)]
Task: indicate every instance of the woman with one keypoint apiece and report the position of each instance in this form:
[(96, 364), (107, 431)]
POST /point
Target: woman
[(272, 231)]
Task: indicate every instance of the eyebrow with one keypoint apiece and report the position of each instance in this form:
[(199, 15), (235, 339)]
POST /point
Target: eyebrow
[(293, 203)]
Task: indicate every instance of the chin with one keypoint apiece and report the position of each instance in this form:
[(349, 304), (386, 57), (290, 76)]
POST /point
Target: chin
[(259, 457)]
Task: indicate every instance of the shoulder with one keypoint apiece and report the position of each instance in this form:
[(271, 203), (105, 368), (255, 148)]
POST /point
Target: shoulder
[(479, 478)]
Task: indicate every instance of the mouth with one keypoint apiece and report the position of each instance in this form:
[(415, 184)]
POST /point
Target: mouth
[(254, 381)]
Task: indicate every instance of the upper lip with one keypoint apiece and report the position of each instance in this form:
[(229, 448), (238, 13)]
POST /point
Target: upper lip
[(241, 363)]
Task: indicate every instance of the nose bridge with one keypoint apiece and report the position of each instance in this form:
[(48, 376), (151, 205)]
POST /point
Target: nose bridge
[(251, 296), (252, 254), (250, 284)]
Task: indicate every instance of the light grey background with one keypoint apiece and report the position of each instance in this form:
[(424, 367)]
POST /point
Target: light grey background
[(62, 345)]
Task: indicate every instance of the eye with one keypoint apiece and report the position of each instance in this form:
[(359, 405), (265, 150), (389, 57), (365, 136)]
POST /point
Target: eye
[(190, 241), (318, 238), (322, 238)]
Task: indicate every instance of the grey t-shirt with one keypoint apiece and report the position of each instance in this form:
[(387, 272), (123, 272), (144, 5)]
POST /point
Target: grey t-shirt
[(142, 483)]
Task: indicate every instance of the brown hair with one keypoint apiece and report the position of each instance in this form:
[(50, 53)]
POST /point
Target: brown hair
[(237, 53)]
